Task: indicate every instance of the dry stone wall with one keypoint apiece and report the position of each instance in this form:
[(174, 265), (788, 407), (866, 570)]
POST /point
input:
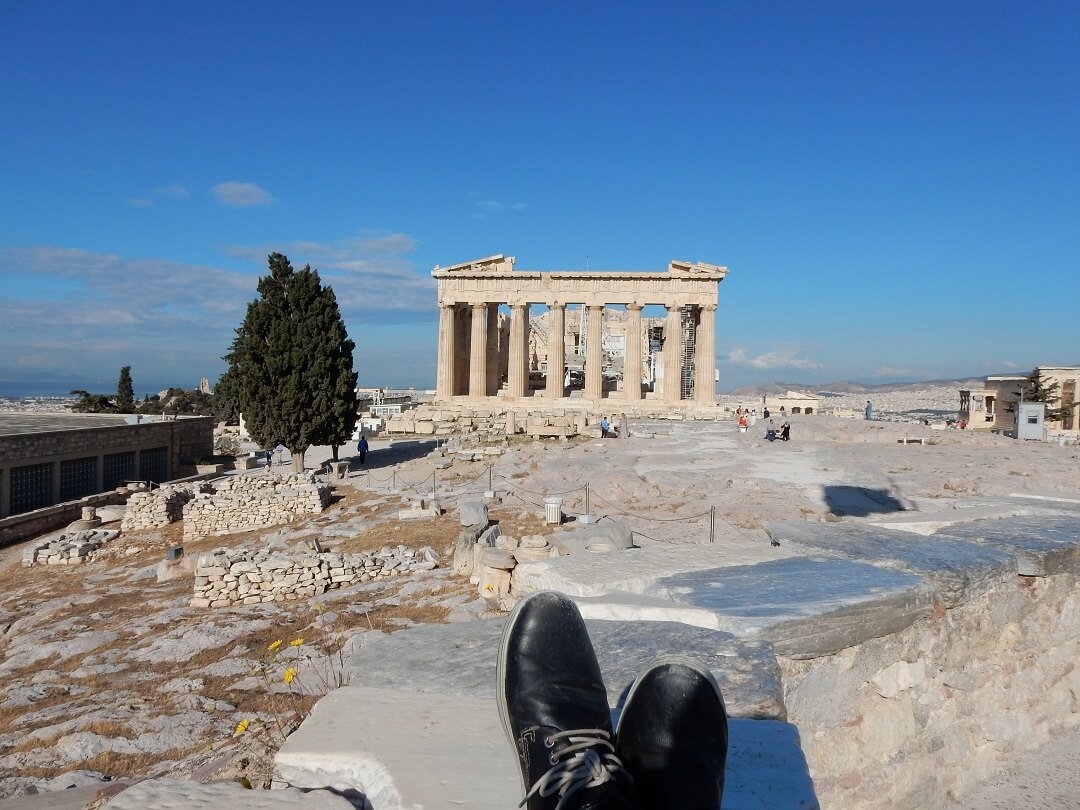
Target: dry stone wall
[(227, 577), (249, 502), (67, 549), (160, 507)]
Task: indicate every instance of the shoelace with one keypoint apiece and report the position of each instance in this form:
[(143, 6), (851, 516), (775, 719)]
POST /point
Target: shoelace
[(588, 761)]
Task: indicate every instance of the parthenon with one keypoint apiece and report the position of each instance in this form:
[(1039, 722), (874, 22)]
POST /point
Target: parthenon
[(483, 354)]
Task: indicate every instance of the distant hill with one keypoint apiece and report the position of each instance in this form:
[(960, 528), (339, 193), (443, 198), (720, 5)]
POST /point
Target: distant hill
[(848, 387)]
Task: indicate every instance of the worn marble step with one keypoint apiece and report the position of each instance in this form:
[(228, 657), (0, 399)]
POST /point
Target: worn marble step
[(173, 794), (402, 750), (633, 570), (958, 569), (459, 659), (805, 606), (1042, 545)]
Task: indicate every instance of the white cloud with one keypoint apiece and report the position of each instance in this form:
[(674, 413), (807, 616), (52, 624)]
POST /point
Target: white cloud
[(495, 206), (774, 359), (103, 311), (141, 202), (176, 191), (241, 195), (888, 371), (371, 273), (1001, 364)]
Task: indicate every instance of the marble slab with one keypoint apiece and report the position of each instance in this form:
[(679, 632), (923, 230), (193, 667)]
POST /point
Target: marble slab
[(633, 570), (1043, 545), (402, 750), (806, 606), (173, 794), (958, 569), (460, 659)]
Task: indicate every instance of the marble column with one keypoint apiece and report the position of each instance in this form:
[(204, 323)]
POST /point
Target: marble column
[(556, 362), (705, 356), (462, 342), (594, 354), (444, 385), (517, 375), (632, 355), (478, 352), (673, 355), (493, 376)]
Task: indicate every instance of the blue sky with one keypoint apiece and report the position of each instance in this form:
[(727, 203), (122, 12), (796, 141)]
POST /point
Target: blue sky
[(894, 186)]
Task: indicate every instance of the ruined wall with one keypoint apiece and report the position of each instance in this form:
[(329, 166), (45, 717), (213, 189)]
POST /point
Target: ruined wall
[(160, 507), (249, 501), (243, 577), (913, 718)]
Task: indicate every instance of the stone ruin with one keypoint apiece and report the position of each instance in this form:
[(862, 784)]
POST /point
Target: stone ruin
[(251, 502), (153, 509), (488, 557), (70, 548), (225, 577)]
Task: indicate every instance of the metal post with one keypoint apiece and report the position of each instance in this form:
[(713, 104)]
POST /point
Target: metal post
[(489, 476), (434, 481), (712, 524), (394, 484), (587, 512)]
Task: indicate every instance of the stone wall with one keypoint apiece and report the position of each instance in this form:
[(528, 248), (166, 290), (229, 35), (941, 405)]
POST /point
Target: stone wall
[(920, 716), (16, 528), (242, 577), (249, 502), (495, 423), (67, 549), (159, 507)]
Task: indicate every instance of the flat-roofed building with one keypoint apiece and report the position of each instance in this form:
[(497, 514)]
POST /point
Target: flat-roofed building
[(47, 459)]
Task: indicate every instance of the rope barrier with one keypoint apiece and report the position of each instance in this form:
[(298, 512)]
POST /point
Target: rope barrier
[(644, 517)]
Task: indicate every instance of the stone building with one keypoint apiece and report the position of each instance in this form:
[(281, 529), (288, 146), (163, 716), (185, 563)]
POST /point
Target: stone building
[(993, 407), (49, 459), (488, 358)]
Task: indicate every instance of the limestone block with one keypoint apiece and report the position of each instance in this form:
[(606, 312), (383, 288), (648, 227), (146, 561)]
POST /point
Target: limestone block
[(494, 582), (497, 558), (472, 513), (173, 794)]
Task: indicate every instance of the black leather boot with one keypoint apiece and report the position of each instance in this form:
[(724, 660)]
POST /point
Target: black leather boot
[(673, 736), (553, 705)]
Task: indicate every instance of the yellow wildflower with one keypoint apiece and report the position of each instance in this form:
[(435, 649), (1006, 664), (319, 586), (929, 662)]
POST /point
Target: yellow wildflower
[(241, 727), (296, 642), (274, 646), (289, 674)]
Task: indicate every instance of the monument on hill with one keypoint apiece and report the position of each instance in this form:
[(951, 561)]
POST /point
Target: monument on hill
[(483, 355)]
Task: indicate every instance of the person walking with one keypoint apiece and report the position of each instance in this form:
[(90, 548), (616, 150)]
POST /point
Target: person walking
[(362, 448), (624, 427), (603, 427), (869, 411)]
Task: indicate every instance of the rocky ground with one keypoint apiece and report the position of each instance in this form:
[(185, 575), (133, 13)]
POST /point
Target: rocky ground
[(108, 673)]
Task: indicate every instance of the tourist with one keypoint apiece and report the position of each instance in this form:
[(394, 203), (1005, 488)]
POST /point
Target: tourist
[(362, 448), (869, 411), (782, 414), (624, 427), (269, 460), (670, 747), (603, 427), (770, 431), (742, 423), (615, 426), (765, 412), (785, 432)]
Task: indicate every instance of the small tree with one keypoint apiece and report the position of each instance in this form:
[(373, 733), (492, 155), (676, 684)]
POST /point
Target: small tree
[(226, 397), (125, 392), (91, 403), (1038, 389), (292, 359)]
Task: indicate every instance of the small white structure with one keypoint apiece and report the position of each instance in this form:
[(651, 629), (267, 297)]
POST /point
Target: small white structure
[(1030, 419)]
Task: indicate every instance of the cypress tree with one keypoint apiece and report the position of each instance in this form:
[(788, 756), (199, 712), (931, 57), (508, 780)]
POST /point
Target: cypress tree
[(292, 360), (125, 392)]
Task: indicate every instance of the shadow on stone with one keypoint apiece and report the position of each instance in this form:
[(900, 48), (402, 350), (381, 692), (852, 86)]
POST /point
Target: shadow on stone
[(766, 767), (845, 501)]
